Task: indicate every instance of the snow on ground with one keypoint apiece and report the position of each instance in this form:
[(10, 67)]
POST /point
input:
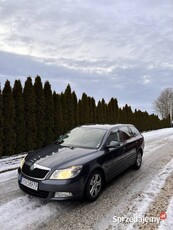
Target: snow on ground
[(156, 134), (149, 195), (13, 214), (8, 175), (10, 163), (151, 136), (165, 225)]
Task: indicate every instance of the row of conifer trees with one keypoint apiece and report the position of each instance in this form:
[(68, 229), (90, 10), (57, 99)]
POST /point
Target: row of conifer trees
[(33, 115)]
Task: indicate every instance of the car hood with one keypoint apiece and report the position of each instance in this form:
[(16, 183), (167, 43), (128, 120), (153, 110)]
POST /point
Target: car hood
[(56, 156)]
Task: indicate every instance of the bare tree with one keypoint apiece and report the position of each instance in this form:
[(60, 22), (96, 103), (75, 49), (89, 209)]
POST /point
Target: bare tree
[(164, 103)]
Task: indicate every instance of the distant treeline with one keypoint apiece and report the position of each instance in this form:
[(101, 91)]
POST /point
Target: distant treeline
[(34, 116)]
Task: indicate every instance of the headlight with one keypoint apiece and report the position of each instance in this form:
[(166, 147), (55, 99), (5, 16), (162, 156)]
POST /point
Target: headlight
[(66, 173), (22, 162)]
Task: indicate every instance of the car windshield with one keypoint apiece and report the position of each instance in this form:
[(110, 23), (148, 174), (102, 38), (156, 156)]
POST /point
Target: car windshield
[(85, 137)]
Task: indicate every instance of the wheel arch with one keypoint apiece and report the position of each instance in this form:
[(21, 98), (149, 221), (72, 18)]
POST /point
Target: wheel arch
[(95, 169), (140, 150)]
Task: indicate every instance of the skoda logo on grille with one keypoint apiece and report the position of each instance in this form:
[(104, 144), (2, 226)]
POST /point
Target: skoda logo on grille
[(32, 167)]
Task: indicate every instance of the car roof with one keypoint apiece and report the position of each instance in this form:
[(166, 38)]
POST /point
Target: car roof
[(106, 126)]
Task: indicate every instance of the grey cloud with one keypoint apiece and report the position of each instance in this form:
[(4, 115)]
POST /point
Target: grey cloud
[(127, 85), (91, 29)]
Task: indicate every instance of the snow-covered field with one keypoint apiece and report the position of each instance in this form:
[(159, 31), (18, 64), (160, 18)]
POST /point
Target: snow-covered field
[(129, 196)]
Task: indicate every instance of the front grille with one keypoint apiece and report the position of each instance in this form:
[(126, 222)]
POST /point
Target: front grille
[(35, 173), (39, 193)]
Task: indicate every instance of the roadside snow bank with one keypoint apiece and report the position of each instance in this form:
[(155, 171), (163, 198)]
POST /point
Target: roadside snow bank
[(157, 134), (10, 163), (168, 222), (8, 175), (149, 195)]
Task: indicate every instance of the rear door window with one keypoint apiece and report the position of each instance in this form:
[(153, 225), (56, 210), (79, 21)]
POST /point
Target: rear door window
[(134, 131), (125, 133)]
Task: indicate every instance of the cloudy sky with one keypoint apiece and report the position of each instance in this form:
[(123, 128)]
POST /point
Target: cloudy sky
[(106, 48)]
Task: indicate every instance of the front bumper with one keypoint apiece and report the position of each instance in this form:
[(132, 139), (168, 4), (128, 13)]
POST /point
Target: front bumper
[(47, 188)]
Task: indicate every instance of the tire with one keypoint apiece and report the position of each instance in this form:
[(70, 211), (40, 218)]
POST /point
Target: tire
[(138, 161), (94, 186)]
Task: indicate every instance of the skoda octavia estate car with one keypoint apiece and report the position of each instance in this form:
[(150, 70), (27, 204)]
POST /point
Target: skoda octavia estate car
[(80, 162)]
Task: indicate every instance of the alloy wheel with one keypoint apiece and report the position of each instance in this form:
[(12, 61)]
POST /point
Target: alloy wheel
[(95, 185)]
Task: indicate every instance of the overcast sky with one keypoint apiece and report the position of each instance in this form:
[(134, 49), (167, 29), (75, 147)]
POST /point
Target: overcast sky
[(106, 48)]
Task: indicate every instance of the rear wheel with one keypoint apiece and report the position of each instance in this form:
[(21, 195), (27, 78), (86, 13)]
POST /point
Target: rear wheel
[(138, 161), (94, 186)]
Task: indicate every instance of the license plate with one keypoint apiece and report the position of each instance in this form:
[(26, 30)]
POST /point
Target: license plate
[(30, 184)]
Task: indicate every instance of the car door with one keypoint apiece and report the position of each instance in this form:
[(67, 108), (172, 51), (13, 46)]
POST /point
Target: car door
[(129, 143), (115, 156)]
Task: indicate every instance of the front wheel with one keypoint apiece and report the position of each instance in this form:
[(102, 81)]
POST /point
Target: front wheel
[(138, 161), (94, 186)]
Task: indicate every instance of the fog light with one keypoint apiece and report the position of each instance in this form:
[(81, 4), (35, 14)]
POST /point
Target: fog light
[(63, 194)]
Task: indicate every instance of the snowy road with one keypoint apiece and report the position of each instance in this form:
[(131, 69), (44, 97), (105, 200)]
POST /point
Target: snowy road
[(133, 195)]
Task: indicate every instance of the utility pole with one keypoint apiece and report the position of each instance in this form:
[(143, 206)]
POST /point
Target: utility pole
[(170, 112)]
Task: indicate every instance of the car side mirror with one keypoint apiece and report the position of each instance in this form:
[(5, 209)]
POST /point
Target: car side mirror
[(113, 144)]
